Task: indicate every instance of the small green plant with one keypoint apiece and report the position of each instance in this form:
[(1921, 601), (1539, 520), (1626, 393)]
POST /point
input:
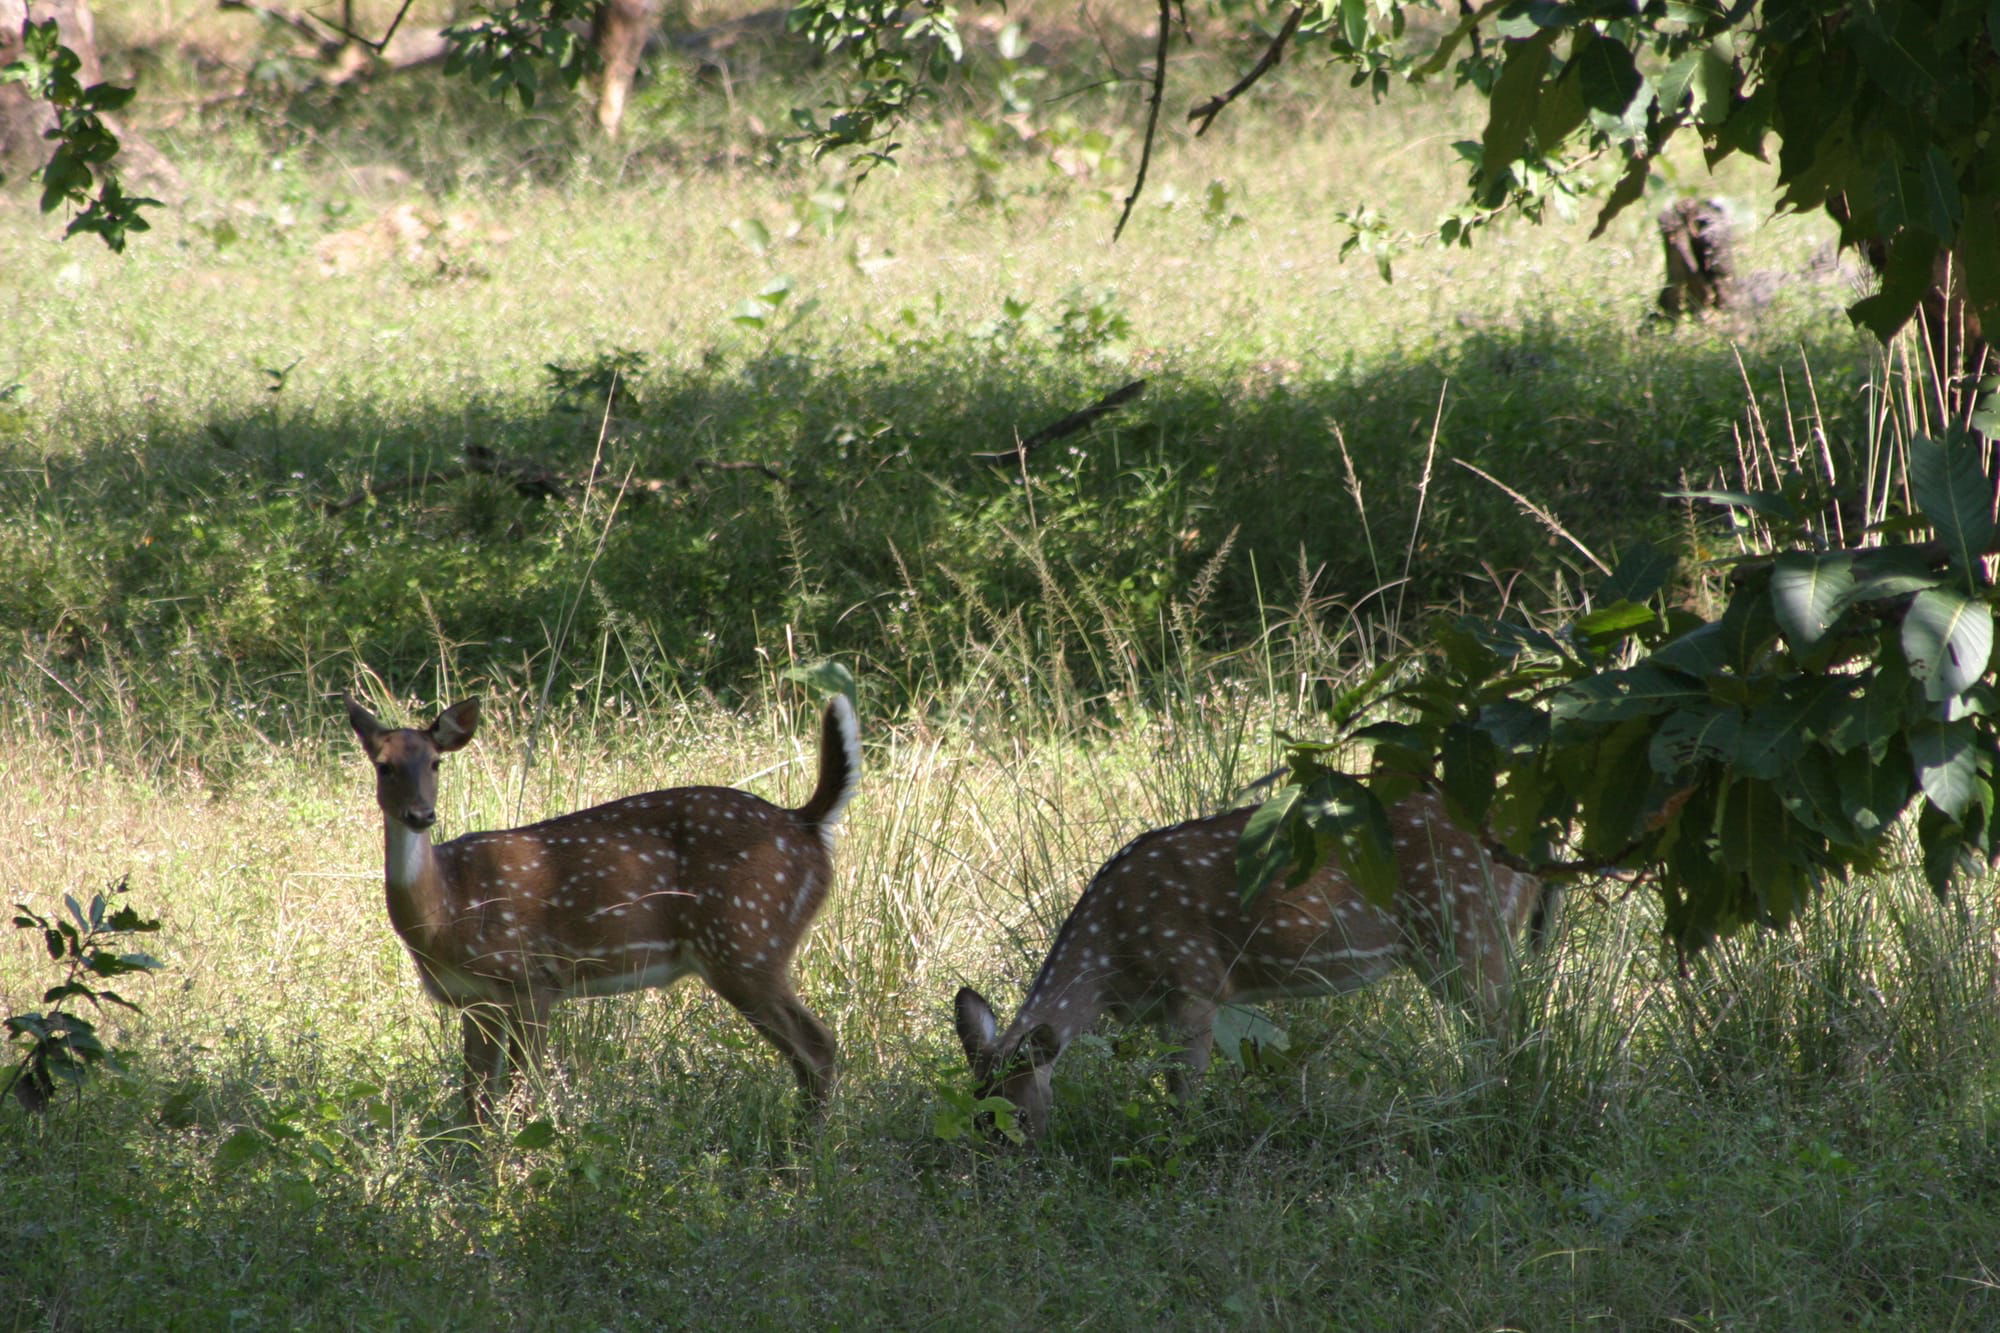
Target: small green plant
[(1218, 206), (14, 400), (1091, 321), (84, 144), (960, 1114), (606, 380), (511, 49), (760, 312), (59, 1043)]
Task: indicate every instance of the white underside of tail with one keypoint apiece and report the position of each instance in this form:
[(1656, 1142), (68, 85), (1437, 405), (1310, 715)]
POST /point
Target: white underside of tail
[(850, 743)]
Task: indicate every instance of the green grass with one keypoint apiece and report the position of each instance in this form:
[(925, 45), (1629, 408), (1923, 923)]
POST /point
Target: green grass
[(1797, 1132)]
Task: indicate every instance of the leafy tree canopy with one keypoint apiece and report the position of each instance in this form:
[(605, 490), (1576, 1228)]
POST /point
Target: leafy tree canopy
[(1883, 111)]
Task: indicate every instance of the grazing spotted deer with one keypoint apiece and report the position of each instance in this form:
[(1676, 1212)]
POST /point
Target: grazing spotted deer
[(1162, 935), (634, 893)]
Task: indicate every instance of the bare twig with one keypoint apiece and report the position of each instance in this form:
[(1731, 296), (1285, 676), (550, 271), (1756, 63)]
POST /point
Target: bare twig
[(1209, 110), (285, 17), (375, 45), (768, 469), (536, 482), (1068, 425), (1152, 114)]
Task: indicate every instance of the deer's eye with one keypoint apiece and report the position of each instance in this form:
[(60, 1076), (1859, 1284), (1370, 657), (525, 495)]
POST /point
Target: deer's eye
[(385, 769), (436, 764)]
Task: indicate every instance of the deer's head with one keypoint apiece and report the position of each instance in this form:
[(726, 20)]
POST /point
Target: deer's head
[(1015, 1067), (406, 759)]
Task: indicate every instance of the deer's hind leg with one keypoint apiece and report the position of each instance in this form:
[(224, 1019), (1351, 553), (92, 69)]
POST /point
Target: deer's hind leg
[(776, 1012)]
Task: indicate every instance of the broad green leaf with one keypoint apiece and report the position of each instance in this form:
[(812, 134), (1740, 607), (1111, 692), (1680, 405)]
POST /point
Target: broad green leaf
[(1759, 843), (1246, 1037), (238, 1149), (1471, 765), (1947, 638), (1943, 844), (1631, 184), (1559, 110), (1874, 793), (1354, 22), (1937, 188), (1774, 736), (1811, 792), (1613, 696), (1808, 592), (1265, 848), (1678, 79), (1769, 504), (1343, 814), (535, 1134), (1866, 722), (1890, 571), (1643, 569), (1515, 726), (1904, 282), (1511, 104), (1949, 483), (1946, 766), (1613, 621), (1613, 803), (1694, 736), (1702, 651), (1464, 652), (753, 233), (1609, 80), (1978, 250), (826, 678), (1748, 627), (1714, 87)]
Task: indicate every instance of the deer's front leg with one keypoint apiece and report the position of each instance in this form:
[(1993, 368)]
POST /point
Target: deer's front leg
[(1191, 1019), (486, 1036)]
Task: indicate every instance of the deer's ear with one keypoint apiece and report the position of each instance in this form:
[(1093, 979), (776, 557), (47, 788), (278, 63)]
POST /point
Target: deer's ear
[(1041, 1045), (455, 725), (974, 1021), (365, 725)]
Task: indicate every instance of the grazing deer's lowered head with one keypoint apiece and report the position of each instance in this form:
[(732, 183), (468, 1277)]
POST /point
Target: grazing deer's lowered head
[(634, 893), (1162, 935)]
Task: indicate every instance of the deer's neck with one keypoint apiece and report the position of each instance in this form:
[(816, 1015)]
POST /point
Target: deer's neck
[(415, 883), (1067, 1004)]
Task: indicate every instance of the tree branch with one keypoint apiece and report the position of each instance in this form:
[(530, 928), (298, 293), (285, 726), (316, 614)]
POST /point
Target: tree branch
[(1068, 425), (535, 482), (1152, 115), (1209, 110)]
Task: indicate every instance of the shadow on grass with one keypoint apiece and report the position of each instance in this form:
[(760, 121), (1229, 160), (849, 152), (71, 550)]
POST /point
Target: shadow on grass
[(827, 501)]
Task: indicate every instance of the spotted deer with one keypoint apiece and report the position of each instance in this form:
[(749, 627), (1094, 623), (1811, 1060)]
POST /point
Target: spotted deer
[(1162, 935), (634, 893)]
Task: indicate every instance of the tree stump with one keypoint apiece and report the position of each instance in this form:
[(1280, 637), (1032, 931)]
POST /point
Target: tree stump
[(1701, 258)]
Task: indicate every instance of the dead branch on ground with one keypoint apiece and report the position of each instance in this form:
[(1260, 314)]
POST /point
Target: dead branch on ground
[(1068, 425)]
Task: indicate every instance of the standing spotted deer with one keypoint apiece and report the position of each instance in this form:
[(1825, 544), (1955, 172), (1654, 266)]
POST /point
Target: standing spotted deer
[(1162, 935), (634, 893)]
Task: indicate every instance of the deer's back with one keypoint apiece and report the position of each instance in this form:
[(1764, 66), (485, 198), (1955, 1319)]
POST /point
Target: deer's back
[(637, 890)]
